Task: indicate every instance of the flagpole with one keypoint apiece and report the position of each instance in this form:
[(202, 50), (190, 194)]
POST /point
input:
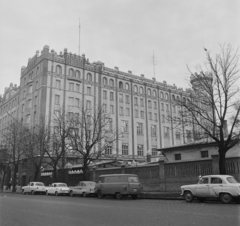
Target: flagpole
[(79, 38)]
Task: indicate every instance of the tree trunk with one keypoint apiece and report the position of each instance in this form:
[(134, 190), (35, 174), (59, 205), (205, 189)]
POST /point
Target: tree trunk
[(54, 174), (14, 177), (222, 166), (36, 174)]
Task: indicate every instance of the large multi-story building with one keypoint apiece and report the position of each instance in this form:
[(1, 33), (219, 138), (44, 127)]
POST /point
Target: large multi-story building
[(142, 108)]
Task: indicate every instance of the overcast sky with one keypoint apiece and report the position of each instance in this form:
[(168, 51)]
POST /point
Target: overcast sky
[(120, 33)]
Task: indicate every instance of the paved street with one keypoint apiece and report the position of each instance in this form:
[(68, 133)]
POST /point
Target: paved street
[(28, 210)]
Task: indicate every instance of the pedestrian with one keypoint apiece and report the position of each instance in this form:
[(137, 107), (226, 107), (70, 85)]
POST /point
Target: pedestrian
[(9, 185)]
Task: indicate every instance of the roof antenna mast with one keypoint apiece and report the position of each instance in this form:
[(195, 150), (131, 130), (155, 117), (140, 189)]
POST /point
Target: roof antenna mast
[(79, 37), (154, 63)]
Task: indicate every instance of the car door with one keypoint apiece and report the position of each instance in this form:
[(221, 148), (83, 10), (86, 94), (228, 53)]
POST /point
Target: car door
[(32, 187), (215, 186), (202, 189)]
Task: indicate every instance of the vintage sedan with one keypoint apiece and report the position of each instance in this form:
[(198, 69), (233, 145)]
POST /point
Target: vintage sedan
[(34, 188), (84, 188), (224, 187), (57, 189)]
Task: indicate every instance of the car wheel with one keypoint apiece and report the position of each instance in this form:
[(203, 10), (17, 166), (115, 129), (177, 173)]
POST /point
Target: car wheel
[(71, 193), (100, 195), (33, 192), (226, 198), (201, 199), (56, 193), (84, 194), (118, 195), (188, 196), (23, 192), (134, 196)]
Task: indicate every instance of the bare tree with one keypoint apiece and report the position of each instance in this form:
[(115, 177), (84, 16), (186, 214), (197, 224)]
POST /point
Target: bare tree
[(13, 137), (214, 102), (91, 134), (58, 141), (4, 164), (35, 146)]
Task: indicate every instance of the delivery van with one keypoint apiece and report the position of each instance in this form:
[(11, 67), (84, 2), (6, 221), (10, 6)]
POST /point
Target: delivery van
[(118, 185)]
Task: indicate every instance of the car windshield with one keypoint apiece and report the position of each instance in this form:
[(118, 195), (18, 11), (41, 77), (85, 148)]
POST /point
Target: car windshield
[(90, 184), (39, 184), (62, 185), (232, 180)]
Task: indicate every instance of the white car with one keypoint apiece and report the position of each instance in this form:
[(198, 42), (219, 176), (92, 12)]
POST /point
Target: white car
[(224, 187), (84, 188), (57, 189), (34, 188)]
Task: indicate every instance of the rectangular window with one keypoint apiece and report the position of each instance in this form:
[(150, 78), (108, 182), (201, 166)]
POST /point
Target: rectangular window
[(77, 103), (140, 150), (167, 107), (29, 103), (111, 96), (204, 154), (70, 101), (163, 118), (142, 114), (71, 86), (139, 128), (141, 102), (57, 113), (153, 130), (150, 115), (57, 99), (162, 106), (127, 99), (28, 118), (111, 109), (108, 150), (174, 109), (35, 116), (88, 105), (136, 113), (166, 132), (155, 104), (155, 116), (154, 151), (89, 91), (124, 149), (104, 108), (30, 89), (104, 94), (127, 112), (178, 136), (58, 84), (121, 111), (149, 104), (78, 88), (135, 101), (188, 135), (177, 156), (120, 98), (124, 126)]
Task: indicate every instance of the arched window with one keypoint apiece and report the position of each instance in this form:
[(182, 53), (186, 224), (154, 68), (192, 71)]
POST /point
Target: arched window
[(111, 82), (71, 72), (154, 93), (173, 97), (105, 82), (149, 92), (166, 96), (161, 95), (59, 69), (178, 98), (89, 77), (141, 89), (30, 89), (126, 86), (78, 75), (120, 85), (135, 89), (24, 81)]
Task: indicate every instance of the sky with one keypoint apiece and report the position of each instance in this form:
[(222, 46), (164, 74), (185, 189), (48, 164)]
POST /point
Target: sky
[(122, 33)]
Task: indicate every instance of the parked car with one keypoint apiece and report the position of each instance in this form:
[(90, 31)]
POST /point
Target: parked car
[(57, 189), (84, 188), (224, 187), (118, 185), (34, 188)]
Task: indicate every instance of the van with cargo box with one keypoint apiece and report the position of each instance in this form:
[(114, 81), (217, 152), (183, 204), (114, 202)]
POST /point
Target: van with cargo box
[(118, 185)]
